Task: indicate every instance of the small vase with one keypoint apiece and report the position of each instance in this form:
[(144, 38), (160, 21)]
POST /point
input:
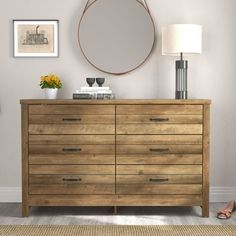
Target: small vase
[(50, 93)]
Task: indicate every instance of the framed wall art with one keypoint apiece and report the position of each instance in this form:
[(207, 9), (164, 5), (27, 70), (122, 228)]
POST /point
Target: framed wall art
[(36, 38)]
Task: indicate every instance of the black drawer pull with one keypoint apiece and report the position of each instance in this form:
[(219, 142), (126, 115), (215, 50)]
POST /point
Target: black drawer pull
[(71, 149), (158, 180), (159, 149), (159, 119), (71, 180), (71, 119)]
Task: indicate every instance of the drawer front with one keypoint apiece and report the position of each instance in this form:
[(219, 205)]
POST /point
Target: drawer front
[(72, 129), (72, 169), (72, 159), (159, 170), (159, 119), (67, 189), (71, 179), (159, 110), (71, 119), (71, 149), (159, 149), (159, 189), (72, 110), (164, 159), (159, 179), (159, 129), (159, 139), (72, 139)]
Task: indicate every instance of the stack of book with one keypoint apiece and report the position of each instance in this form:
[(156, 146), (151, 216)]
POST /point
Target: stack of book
[(93, 93)]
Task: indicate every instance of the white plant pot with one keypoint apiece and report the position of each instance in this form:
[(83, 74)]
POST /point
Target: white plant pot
[(50, 93)]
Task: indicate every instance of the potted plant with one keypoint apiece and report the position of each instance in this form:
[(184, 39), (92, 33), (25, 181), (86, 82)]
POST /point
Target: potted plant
[(50, 84)]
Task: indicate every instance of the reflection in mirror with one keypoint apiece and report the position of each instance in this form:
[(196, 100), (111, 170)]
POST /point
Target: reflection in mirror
[(116, 36)]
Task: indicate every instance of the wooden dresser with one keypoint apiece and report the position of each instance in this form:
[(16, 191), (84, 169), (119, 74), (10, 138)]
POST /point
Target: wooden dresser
[(115, 153)]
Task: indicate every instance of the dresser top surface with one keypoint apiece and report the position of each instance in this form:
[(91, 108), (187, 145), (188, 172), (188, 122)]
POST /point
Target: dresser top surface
[(114, 101)]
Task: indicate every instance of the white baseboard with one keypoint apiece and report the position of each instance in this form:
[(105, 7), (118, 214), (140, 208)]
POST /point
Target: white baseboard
[(217, 194), (10, 194)]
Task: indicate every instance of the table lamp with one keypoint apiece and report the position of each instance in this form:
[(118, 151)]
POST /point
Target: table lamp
[(180, 39)]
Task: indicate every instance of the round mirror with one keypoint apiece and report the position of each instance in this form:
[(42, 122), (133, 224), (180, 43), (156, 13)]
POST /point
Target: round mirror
[(116, 36)]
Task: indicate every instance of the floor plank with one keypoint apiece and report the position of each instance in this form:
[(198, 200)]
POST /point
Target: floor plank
[(10, 214)]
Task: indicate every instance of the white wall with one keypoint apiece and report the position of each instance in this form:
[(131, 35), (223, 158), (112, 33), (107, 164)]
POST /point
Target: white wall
[(211, 75)]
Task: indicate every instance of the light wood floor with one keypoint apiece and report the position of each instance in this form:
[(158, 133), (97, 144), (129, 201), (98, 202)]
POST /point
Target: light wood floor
[(11, 214)]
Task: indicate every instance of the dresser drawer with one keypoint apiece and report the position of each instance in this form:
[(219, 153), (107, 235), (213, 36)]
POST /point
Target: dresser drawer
[(72, 169), (159, 129), (72, 159), (72, 129), (159, 149), (159, 119), (159, 139), (159, 169), (72, 139), (66, 189), (159, 110), (71, 149), (71, 119), (159, 179), (164, 159), (72, 110), (159, 189)]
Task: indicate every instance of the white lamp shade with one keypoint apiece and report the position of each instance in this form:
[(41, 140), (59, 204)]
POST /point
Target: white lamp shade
[(181, 38)]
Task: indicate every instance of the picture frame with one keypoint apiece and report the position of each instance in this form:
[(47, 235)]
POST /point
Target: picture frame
[(36, 38)]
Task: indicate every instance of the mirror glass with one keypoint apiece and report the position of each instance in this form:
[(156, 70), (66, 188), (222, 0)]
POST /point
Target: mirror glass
[(116, 36)]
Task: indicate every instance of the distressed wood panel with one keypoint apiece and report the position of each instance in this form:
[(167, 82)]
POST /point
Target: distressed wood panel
[(159, 109), (159, 129), (72, 169), (72, 129), (165, 159), (159, 139), (158, 169)]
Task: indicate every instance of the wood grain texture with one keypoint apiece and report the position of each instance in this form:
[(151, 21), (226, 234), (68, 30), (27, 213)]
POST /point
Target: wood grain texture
[(159, 119), (164, 179), (159, 139), (71, 179), (165, 159), (24, 149), (159, 109), (159, 149), (158, 169), (65, 159), (71, 149), (72, 139), (159, 129), (70, 189), (72, 169), (72, 129), (115, 200), (147, 189), (71, 119), (115, 101), (72, 109), (206, 161)]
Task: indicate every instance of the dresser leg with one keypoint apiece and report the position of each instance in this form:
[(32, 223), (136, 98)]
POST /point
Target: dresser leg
[(115, 210), (205, 210), (25, 211)]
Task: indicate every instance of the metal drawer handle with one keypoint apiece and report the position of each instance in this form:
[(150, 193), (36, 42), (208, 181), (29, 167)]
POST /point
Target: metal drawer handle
[(71, 180), (71, 119), (159, 149), (159, 119), (158, 180), (71, 149)]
